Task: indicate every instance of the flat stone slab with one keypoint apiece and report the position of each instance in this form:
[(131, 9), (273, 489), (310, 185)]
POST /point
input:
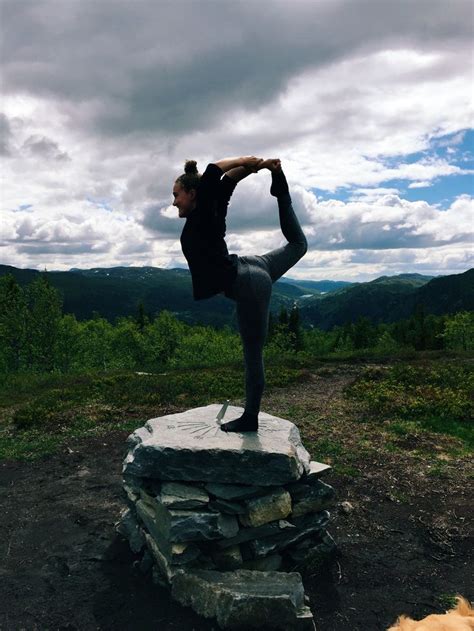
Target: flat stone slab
[(177, 526), (183, 496), (271, 507), (190, 446), (245, 599), (306, 525)]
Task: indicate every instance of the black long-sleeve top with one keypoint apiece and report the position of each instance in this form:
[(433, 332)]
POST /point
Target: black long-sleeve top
[(213, 269)]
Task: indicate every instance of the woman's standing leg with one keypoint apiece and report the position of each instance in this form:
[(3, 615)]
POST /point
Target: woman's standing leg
[(252, 296)]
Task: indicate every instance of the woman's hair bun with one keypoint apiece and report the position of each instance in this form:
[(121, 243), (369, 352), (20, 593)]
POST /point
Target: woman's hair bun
[(190, 167)]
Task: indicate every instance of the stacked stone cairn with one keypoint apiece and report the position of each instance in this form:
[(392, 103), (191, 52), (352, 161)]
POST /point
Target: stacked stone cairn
[(223, 520)]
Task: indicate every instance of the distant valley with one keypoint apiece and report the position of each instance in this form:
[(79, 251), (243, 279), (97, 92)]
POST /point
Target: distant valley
[(118, 291)]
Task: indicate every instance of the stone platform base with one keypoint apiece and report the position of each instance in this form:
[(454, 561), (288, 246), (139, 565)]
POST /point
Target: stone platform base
[(225, 519), (244, 599)]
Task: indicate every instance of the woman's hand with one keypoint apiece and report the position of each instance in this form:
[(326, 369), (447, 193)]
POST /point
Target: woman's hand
[(272, 164), (251, 163)]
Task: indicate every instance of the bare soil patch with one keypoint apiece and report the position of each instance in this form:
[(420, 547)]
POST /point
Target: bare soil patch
[(401, 525)]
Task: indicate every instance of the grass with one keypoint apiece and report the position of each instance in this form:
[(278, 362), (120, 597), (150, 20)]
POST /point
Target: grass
[(447, 601), (392, 408), (38, 413), (433, 396)]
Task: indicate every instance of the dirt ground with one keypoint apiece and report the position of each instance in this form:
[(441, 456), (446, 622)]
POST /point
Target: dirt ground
[(404, 544)]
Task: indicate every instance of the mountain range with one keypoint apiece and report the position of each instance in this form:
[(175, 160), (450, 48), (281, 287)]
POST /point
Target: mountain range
[(117, 291)]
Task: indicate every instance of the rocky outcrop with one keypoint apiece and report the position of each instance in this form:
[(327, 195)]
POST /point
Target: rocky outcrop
[(224, 519)]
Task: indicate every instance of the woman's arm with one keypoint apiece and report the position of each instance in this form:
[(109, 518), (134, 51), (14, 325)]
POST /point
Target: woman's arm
[(239, 173), (249, 162)]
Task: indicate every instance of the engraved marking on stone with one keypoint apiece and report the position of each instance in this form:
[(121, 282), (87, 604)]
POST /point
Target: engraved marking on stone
[(186, 425), (207, 431), (200, 428)]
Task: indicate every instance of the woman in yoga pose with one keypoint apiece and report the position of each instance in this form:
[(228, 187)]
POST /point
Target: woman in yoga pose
[(203, 201)]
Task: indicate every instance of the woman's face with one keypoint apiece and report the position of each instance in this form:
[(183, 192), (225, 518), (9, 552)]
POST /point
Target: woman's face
[(185, 201)]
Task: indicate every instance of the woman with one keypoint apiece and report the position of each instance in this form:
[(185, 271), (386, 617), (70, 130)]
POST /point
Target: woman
[(202, 201)]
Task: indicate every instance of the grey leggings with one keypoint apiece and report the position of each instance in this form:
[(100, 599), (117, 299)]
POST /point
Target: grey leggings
[(252, 290)]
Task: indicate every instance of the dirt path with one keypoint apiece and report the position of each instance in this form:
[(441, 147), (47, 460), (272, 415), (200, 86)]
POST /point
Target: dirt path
[(404, 543)]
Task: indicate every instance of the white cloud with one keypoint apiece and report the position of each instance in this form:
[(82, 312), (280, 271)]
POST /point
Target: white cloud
[(104, 101)]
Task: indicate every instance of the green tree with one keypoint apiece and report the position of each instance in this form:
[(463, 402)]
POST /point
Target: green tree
[(95, 344), (68, 343), (318, 342), (459, 331), (363, 333), (162, 337), (127, 344), (141, 319), (386, 345), (294, 328), (343, 338), (42, 324), (283, 315), (12, 324)]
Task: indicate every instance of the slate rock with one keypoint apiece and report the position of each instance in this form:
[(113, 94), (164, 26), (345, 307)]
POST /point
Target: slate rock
[(311, 498), (261, 510), (245, 599), (174, 526), (163, 572), (129, 528), (304, 526), (234, 491), (194, 526), (182, 496), (190, 446), (311, 553), (247, 534), (224, 506), (317, 469)]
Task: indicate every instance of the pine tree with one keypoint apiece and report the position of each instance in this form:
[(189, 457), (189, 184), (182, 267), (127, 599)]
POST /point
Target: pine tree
[(294, 328), (141, 319), (43, 320), (12, 324), (283, 315)]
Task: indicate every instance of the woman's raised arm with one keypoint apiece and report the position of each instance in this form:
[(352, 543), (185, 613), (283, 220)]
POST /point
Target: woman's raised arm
[(250, 162)]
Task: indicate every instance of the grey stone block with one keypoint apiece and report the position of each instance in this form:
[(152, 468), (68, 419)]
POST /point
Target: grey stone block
[(173, 526), (317, 469), (311, 498), (304, 527), (247, 534), (261, 510), (223, 506), (190, 446), (182, 496), (234, 491), (193, 526), (129, 528), (244, 599), (310, 553)]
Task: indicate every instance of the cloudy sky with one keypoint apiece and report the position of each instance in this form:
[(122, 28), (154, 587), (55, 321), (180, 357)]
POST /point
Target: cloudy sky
[(368, 103)]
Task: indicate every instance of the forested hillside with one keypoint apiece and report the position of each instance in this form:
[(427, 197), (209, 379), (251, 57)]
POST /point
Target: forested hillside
[(121, 291)]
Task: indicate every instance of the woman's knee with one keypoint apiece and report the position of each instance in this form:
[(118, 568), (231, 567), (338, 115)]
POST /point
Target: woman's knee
[(304, 246), (299, 248)]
